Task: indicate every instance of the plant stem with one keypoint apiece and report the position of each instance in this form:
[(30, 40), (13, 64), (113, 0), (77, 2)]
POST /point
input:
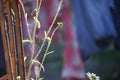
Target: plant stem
[(28, 30), (33, 43), (49, 43), (49, 30)]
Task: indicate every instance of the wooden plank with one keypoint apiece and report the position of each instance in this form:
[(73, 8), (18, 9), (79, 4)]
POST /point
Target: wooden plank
[(12, 40), (5, 43), (19, 40), (4, 77)]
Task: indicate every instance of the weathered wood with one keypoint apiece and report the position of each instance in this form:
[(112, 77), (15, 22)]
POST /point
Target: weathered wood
[(12, 40), (19, 40), (5, 43), (4, 77), (6, 50)]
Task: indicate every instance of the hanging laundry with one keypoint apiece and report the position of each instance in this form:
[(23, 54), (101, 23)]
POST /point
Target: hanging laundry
[(73, 67), (86, 42), (93, 22), (98, 18), (116, 16)]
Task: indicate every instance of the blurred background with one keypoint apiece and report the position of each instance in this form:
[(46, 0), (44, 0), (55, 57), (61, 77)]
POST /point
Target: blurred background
[(88, 42), (96, 26)]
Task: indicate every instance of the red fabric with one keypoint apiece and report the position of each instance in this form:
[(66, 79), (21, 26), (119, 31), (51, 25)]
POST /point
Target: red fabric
[(73, 66)]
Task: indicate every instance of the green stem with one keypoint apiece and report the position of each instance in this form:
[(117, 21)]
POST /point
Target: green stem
[(48, 46), (58, 9), (39, 51), (33, 43), (34, 31), (28, 30)]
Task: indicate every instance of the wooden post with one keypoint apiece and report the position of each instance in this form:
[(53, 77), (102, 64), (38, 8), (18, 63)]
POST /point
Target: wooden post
[(5, 44), (11, 41), (19, 40)]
